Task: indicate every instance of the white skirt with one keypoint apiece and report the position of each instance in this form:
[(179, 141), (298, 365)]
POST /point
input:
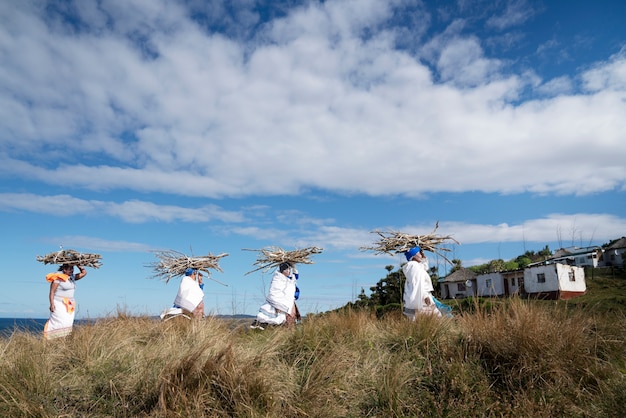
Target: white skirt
[(61, 320), (269, 315)]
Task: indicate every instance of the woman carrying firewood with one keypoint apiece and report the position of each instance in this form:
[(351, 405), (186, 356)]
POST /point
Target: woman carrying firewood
[(280, 306), (418, 288), (190, 293), (62, 303)]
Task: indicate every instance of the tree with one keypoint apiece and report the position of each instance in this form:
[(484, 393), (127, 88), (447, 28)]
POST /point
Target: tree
[(456, 265), (524, 260), (388, 289), (496, 266), (511, 265), (362, 300), (545, 252)]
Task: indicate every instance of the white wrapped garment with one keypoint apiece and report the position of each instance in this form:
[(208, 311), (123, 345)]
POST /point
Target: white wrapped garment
[(189, 294), (417, 288), (282, 292), (269, 315)]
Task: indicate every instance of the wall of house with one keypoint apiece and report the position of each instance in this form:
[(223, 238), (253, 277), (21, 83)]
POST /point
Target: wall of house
[(557, 280), (445, 290), (513, 281), (587, 260), (614, 258), (565, 275), (582, 257), (490, 284), (531, 283), (450, 290)]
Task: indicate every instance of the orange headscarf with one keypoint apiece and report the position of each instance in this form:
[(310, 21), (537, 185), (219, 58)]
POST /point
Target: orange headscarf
[(50, 277)]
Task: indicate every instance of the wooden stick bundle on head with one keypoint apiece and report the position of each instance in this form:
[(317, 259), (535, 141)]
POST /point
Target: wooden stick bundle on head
[(71, 258), (271, 257), (394, 242), (172, 264)]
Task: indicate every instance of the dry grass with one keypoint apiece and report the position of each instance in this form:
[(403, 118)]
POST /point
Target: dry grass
[(518, 359)]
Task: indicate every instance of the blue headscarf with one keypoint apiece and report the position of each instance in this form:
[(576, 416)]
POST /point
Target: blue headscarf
[(411, 253)]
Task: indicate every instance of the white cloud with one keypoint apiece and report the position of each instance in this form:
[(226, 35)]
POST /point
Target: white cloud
[(556, 86), (515, 13), (462, 62), (301, 230), (86, 243), (610, 75), (570, 229), (317, 107), (133, 211)]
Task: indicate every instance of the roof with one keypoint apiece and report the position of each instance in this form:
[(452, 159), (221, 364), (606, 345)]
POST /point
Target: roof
[(572, 251), (460, 275), (620, 243)]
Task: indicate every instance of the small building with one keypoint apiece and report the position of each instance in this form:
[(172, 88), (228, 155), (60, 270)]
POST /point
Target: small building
[(513, 282), (614, 253), (490, 284), (459, 284), (577, 256), (554, 281), (497, 284)]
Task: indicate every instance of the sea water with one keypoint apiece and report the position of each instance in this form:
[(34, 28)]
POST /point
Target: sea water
[(9, 325)]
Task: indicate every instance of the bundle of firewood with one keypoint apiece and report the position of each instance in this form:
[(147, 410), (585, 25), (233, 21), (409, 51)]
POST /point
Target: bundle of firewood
[(273, 256), (394, 242), (172, 264), (72, 258)]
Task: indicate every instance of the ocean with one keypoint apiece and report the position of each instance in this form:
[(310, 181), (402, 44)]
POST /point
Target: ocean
[(8, 325), (32, 325)]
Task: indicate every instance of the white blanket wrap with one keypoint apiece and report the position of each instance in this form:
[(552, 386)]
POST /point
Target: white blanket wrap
[(280, 299), (189, 294), (418, 286)]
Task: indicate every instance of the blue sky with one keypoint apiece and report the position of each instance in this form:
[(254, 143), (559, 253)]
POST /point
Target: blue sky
[(213, 127)]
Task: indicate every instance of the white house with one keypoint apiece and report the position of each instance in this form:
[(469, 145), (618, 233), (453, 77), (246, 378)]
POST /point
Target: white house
[(577, 256), (490, 284), (513, 282), (614, 253), (460, 284), (505, 283), (554, 281)]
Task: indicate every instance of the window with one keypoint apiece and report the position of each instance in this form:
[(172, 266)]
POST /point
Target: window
[(460, 287), (488, 283), (572, 278), (541, 277), (512, 281)]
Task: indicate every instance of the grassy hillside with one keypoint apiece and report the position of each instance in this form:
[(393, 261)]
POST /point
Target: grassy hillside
[(518, 358), (606, 291)]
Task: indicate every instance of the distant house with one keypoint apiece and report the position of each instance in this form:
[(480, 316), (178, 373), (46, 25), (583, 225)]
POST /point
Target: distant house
[(459, 284), (614, 253), (489, 284), (554, 281), (513, 282), (505, 283), (577, 256)]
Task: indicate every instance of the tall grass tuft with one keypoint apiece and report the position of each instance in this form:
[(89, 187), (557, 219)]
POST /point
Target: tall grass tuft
[(542, 357), (513, 358)]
